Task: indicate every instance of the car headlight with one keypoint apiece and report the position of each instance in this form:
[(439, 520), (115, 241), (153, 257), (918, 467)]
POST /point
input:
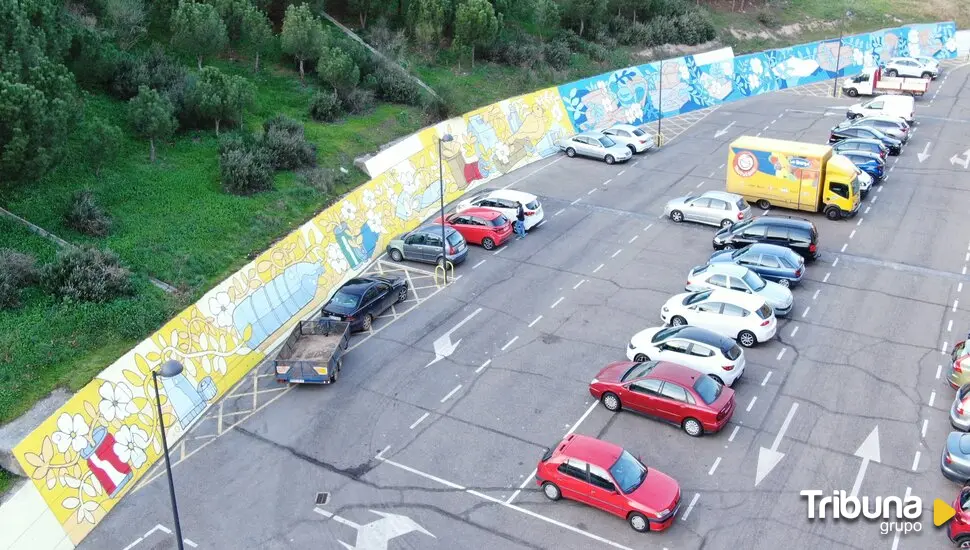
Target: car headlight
[(594, 381), (663, 513), (632, 346), (665, 308)]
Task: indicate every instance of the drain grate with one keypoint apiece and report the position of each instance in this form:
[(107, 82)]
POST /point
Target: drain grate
[(322, 499)]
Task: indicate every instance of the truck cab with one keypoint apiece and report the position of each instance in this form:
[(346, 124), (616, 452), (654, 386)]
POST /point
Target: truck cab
[(842, 195), (873, 82)]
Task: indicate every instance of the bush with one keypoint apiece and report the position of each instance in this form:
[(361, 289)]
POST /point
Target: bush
[(245, 171), (87, 275), (385, 40), (436, 109), (156, 70), (86, 216), (286, 145), (694, 28), (662, 31), (768, 18), (394, 85), (324, 106), (93, 58), (358, 101), (325, 180), (558, 54), (17, 271)]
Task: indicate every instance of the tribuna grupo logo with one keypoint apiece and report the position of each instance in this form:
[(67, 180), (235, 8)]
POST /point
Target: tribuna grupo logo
[(895, 514)]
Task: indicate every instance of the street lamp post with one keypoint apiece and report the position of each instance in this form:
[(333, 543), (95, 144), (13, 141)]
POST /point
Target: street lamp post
[(168, 369), (441, 183), (660, 103), (838, 55)]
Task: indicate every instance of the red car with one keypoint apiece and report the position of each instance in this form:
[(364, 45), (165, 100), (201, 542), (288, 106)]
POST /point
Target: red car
[(958, 529), (605, 476), (484, 226), (667, 391)]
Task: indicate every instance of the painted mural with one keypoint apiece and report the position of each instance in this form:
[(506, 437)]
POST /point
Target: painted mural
[(85, 457)]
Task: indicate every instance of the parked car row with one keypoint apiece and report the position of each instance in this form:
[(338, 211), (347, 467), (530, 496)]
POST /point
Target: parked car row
[(955, 458), (618, 143)]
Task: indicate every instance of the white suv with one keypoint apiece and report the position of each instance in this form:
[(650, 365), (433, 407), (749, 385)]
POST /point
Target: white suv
[(506, 201), (744, 317), (908, 67)]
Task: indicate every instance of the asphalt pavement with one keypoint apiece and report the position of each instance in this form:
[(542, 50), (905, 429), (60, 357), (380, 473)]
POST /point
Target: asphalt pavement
[(417, 450)]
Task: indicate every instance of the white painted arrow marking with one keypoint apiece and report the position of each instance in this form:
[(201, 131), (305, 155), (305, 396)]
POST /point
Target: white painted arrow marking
[(720, 133), (925, 154), (377, 534), (868, 451), (769, 458), (443, 347), (959, 159)]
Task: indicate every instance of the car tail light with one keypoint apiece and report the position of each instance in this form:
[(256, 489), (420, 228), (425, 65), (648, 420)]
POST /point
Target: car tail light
[(765, 322), (740, 215), (812, 248), (832, 137), (451, 249), (730, 367), (947, 458), (529, 213), (957, 368), (798, 273), (960, 408)]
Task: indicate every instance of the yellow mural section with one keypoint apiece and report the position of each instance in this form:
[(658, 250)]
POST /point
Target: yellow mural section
[(91, 452)]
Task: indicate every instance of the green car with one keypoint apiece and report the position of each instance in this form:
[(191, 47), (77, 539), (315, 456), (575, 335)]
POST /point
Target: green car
[(960, 370)]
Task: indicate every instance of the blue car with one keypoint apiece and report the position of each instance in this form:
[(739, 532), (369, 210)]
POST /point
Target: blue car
[(862, 145), (870, 163), (774, 263), (839, 134)]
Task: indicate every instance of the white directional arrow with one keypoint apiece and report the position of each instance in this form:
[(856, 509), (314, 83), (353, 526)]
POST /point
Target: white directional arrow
[(959, 159), (925, 154), (377, 534), (443, 346), (868, 451), (720, 133), (769, 458)]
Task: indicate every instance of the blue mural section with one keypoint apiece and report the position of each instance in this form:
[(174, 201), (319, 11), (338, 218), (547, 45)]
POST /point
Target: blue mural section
[(643, 93)]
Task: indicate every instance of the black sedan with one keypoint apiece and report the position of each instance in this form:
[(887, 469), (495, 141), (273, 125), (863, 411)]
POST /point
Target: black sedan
[(838, 134), (363, 299)]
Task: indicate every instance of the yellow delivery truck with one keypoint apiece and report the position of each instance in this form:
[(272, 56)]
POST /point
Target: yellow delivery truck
[(790, 174)]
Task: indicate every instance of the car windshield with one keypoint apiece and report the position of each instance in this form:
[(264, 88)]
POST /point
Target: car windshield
[(741, 251), (739, 226), (754, 281), (343, 299), (638, 370), (454, 239), (697, 297), (628, 472), (607, 142), (665, 333), (708, 388), (638, 132)]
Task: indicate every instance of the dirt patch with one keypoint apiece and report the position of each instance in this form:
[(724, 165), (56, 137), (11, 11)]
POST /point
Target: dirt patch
[(784, 31), (667, 51)]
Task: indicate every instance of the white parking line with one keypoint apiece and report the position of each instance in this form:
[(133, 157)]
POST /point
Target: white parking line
[(647, 227), (794, 331), (420, 420), (714, 467), (560, 211), (960, 286), (939, 371), (932, 398), (815, 296), (874, 199), (381, 454), (599, 267), (700, 184), (751, 404), (478, 264), (481, 368), (556, 303), (577, 285), (844, 246), (826, 278), (635, 237), (190, 543), (955, 302), (943, 348), (966, 258), (690, 506), (620, 173), (859, 222), (617, 253), (964, 270), (781, 354), (926, 423), (509, 343), (916, 461), (767, 376), (949, 326), (896, 536), (534, 321), (499, 250), (453, 392), (804, 313), (575, 201), (836, 262), (591, 191), (734, 433), (607, 182)]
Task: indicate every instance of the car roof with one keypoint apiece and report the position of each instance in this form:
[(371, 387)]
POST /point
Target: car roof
[(870, 141), (487, 213), (672, 372), (747, 301), (434, 228), (723, 195), (859, 153), (704, 336), (513, 195), (629, 127), (789, 221), (727, 268), (765, 248), (357, 286), (591, 450), (591, 133)]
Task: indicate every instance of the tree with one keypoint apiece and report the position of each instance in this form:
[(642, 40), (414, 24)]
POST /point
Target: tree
[(222, 97), (426, 20), (546, 15), (302, 34), (151, 116), (198, 30), (101, 141), (475, 24), (257, 34), (127, 20), (583, 13), (233, 14), (367, 8), (336, 68)]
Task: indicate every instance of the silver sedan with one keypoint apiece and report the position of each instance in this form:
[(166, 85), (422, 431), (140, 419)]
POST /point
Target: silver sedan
[(740, 279), (596, 145), (712, 207), (955, 462)]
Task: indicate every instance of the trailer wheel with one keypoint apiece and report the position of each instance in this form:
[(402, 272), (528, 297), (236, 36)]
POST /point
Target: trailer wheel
[(852, 92), (336, 373)]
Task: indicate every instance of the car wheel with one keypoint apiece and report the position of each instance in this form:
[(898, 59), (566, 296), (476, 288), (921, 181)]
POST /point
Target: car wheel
[(747, 338), (784, 282), (678, 321), (396, 255), (368, 322), (488, 243), (891, 73), (551, 491), (728, 246), (763, 204), (927, 76), (638, 522), (570, 152), (609, 159), (725, 223), (963, 541), (402, 294), (833, 213), (718, 378), (611, 402), (633, 150), (640, 357), (677, 216), (693, 427), (852, 92)]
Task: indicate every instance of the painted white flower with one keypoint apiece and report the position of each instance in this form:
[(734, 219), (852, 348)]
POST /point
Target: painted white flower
[(336, 259), (116, 401), (390, 193), (368, 198), (684, 72), (753, 81), (858, 58), (70, 434), (348, 210), (756, 66), (221, 308), (951, 44), (130, 444), (374, 221)]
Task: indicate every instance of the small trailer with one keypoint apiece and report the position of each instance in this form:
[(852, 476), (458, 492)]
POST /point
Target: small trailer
[(313, 352), (871, 82)]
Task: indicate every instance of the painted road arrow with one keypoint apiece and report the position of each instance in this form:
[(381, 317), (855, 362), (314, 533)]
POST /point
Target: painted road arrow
[(868, 452), (377, 534), (769, 458), (720, 133), (443, 346), (959, 159), (925, 154)]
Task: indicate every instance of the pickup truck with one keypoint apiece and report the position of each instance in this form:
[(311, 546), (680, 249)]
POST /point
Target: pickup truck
[(313, 352), (871, 82)]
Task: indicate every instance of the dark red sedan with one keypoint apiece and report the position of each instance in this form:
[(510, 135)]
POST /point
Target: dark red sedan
[(484, 226), (958, 529), (667, 391), (604, 476)]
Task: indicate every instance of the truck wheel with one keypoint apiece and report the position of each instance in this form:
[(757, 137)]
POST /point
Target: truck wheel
[(763, 204), (852, 92), (833, 213)]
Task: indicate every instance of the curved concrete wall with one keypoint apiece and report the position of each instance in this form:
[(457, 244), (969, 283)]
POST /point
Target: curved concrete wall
[(84, 458)]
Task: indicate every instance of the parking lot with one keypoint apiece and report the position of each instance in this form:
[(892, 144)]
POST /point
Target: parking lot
[(449, 447)]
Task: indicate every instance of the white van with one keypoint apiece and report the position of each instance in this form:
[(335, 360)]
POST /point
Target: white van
[(900, 106)]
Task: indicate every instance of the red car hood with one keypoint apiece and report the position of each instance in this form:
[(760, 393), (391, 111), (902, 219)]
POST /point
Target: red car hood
[(613, 371), (658, 492)]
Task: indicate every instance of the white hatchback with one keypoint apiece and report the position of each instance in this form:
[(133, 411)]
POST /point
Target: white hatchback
[(506, 201), (744, 317), (636, 140), (700, 349)]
